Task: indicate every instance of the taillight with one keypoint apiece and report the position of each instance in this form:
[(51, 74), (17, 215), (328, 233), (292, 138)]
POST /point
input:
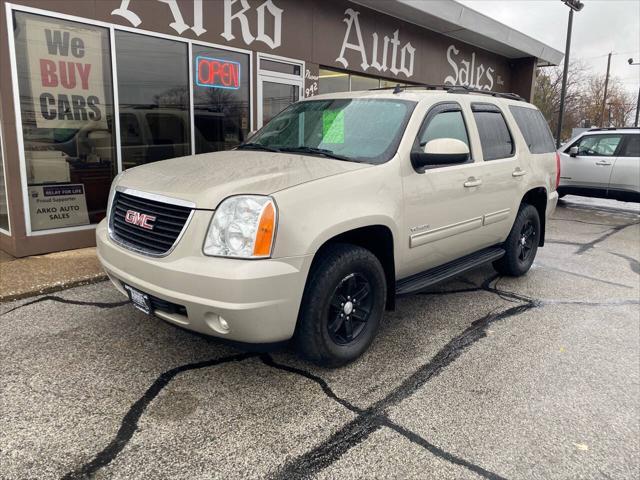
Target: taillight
[(557, 170)]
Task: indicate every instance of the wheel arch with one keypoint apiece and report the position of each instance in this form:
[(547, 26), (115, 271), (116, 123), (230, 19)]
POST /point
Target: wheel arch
[(537, 197), (379, 240)]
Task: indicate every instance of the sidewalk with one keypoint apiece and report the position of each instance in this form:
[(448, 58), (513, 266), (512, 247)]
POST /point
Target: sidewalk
[(25, 277)]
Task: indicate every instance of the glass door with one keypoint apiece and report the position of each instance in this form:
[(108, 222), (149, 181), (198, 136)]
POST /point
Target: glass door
[(280, 83)]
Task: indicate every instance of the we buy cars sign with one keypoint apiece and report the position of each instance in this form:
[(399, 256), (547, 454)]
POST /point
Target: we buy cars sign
[(65, 66)]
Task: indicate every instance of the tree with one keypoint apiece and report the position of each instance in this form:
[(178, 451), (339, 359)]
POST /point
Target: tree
[(583, 103)]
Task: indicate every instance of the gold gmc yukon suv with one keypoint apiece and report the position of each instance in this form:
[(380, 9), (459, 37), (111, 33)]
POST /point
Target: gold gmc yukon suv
[(310, 229)]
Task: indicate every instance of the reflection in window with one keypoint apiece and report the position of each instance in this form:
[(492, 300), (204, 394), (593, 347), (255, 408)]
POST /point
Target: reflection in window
[(363, 83), (220, 98), (331, 81), (445, 125), (64, 76), (153, 94), (276, 97), (598, 145)]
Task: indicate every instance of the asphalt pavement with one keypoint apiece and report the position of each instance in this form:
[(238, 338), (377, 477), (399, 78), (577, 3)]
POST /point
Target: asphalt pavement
[(481, 377)]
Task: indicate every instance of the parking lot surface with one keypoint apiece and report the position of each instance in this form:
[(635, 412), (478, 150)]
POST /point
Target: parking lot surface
[(480, 377)]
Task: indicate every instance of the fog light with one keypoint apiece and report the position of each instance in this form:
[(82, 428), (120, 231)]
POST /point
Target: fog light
[(223, 324)]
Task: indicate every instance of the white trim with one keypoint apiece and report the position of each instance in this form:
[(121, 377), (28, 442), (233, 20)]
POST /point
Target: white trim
[(4, 176), (277, 77), (192, 120), (112, 28), (116, 100), (17, 106)]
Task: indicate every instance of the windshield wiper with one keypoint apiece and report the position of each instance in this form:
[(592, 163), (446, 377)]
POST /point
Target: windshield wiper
[(317, 151), (256, 146)]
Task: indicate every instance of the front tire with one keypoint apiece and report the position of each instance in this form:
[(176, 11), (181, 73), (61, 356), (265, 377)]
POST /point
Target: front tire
[(342, 305), (521, 245)]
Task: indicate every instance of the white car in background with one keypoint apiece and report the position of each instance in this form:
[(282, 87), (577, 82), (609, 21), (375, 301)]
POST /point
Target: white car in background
[(602, 162)]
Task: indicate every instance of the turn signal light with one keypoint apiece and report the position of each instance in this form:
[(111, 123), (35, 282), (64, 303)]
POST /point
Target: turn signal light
[(264, 234), (557, 170)]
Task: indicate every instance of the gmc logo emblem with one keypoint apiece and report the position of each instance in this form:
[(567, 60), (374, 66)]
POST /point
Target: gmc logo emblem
[(140, 219)]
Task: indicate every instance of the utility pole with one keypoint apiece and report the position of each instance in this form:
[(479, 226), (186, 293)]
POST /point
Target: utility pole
[(606, 85), (637, 109), (563, 91), (574, 5)]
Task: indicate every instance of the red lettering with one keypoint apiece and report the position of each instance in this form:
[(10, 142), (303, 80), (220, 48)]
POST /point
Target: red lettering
[(215, 73), (48, 73), (67, 74), (83, 72)]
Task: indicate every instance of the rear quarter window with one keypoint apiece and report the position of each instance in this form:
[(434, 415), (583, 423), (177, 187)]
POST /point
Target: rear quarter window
[(534, 129), (495, 137)]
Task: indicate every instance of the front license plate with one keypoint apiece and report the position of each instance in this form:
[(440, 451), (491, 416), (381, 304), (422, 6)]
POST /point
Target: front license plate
[(140, 300)]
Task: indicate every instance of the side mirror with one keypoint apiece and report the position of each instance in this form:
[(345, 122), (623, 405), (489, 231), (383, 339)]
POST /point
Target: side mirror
[(441, 151), (573, 152)]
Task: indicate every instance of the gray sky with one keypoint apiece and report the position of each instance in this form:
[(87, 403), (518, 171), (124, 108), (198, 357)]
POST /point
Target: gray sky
[(601, 27)]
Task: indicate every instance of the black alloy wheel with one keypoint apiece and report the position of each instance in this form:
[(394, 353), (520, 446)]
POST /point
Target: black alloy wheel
[(350, 308), (526, 243)]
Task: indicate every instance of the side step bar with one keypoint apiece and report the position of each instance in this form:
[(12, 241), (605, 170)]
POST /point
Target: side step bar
[(422, 280)]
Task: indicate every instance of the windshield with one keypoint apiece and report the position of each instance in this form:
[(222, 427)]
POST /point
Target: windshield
[(361, 130)]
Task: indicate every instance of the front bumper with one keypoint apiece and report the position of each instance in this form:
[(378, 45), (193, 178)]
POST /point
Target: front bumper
[(258, 299)]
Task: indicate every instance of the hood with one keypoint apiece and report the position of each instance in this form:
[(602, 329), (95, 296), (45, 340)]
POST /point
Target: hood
[(209, 178)]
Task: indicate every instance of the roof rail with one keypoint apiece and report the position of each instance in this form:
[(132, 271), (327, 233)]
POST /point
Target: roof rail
[(453, 89), (595, 129)]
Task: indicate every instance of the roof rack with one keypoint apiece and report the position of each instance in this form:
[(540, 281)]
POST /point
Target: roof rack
[(595, 129), (453, 89)]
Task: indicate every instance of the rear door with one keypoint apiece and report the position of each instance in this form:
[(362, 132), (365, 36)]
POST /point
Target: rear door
[(593, 165), (626, 169)]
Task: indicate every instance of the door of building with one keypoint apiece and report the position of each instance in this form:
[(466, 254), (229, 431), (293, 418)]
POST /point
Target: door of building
[(280, 83)]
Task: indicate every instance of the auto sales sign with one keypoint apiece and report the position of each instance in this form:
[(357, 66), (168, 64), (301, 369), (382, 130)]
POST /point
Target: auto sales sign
[(65, 65)]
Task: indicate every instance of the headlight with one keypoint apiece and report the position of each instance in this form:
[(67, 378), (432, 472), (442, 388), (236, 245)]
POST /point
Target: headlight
[(242, 226)]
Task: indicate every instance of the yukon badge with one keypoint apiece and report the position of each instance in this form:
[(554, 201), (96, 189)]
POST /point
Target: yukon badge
[(140, 219)]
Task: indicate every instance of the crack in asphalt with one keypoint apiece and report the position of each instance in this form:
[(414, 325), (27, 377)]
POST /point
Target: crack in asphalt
[(585, 247), (129, 423), (381, 419), (634, 264), (369, 421), (58, 299)]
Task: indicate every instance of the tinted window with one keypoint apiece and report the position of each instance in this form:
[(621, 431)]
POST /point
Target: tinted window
[(153, 87), (445, 125), (598, 145), (220, 98), (494, 134), (534, 129), (632, 147)]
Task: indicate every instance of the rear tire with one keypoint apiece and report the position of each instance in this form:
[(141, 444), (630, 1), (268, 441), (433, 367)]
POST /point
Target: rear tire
[(342, 306), (521, 245)]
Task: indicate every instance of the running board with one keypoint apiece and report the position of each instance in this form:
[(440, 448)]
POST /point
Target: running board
[(422, 280)]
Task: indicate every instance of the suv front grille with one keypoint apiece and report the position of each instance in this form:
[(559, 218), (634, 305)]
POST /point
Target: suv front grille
[(164, 223)]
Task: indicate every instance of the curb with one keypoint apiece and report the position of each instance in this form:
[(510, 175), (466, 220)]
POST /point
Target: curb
[(53, 288)]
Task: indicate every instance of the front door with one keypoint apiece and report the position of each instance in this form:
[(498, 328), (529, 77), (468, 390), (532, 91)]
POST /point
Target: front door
[(455, 210), (593, 165), (280, 83)]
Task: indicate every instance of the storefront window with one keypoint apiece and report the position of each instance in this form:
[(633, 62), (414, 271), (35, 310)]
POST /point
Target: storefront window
[(65, 88), (4, 207), (153, 96), (276, 97), (363, 83), (220, 98), (331, 81)]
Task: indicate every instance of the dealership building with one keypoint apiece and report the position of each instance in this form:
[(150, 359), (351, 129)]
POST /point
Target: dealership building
[(89, 88)]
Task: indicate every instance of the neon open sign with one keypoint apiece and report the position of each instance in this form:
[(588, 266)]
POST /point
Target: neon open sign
[(216, 73)]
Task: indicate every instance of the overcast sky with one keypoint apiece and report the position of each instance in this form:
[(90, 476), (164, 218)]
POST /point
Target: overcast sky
[(601, 27)]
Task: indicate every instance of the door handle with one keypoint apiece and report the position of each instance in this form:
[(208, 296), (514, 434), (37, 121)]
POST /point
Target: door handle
[(472, 182), (603, 162), (518, 173)]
